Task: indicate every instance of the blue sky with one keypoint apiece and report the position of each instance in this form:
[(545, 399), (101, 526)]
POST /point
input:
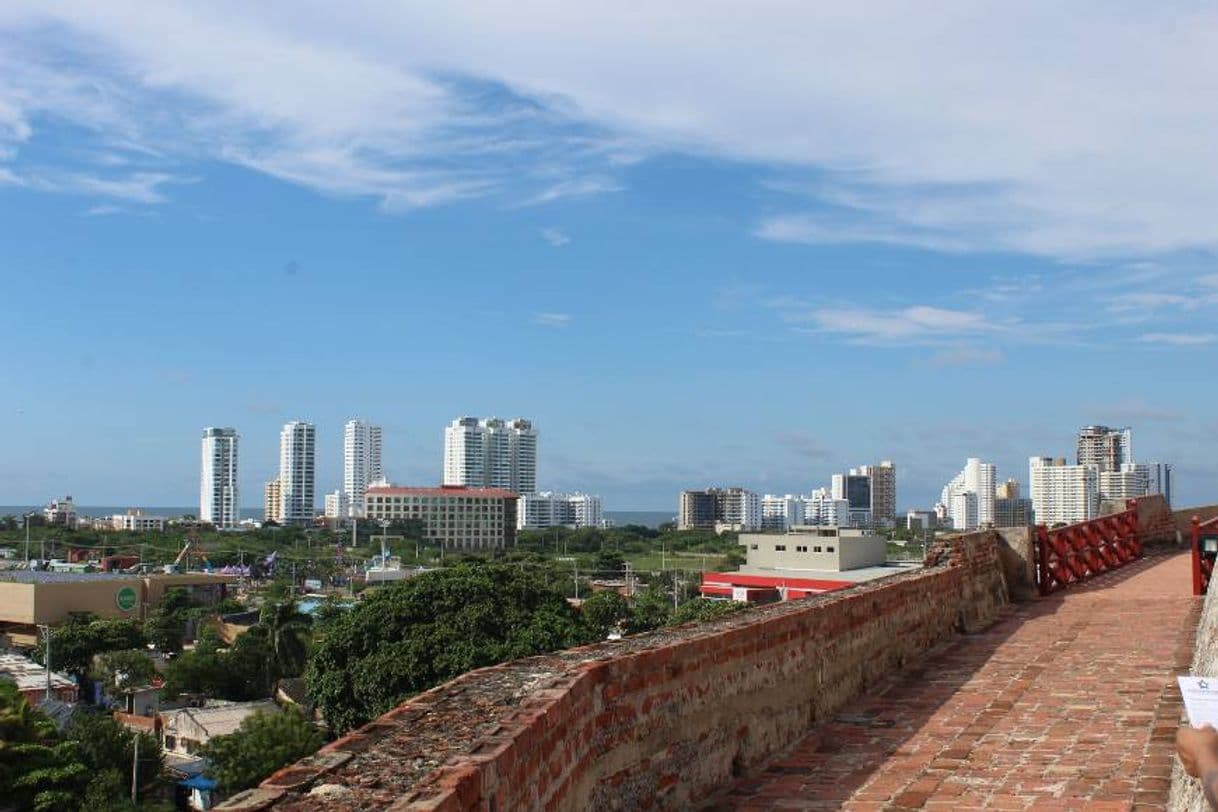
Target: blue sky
[(694, 248)]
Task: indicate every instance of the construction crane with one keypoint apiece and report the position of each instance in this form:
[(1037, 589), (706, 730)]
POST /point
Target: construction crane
[(191, 549)]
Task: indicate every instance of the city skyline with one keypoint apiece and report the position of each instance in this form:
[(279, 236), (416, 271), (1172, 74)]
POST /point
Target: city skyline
[(641, 248)]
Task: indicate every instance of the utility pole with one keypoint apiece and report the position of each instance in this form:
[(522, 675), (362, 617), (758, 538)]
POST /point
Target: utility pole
[(135, 771), (675, 602), (576, 566), (46, 657), (27, 540)]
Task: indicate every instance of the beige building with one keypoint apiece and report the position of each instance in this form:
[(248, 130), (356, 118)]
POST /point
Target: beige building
[(136, 520), (29, 598), (270, 502), (185, 730), (824, 549), (455, 516)]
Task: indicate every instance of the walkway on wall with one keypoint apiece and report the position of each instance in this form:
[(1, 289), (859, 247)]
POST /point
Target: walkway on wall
[(1069, 702)]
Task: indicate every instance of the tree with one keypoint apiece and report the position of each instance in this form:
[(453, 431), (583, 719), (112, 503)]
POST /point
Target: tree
[(262, 744), (36, 772), (103, 745), (165, 626), (604, 610), (118, 671), (701, 609), (287, 633), (74, 644), (651, 610), (242, 672), (417, 633)]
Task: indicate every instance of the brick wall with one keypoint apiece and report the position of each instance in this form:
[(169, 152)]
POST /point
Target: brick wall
[(654, 721)]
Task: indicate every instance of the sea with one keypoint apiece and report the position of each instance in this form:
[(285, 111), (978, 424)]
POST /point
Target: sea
[(646, 518)]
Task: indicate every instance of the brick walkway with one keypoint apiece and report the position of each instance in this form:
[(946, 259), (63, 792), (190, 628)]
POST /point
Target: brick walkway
[(1069, 702)]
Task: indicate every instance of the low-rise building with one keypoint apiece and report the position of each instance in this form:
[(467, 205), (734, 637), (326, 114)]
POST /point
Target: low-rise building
[(537, 511), (185, 730), (135, 520), (455, 516), (61, 512), (31, 679)]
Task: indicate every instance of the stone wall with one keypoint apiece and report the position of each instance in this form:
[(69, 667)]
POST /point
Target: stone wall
[(653, 721), (1186, 791)]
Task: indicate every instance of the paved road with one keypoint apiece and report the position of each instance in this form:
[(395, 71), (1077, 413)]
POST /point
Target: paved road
[(1067, 703)]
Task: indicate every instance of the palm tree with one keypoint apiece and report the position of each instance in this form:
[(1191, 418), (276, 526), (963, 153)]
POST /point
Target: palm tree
[(288, 634)]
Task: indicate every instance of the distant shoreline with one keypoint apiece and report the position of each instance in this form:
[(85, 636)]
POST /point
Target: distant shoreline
[(646, 518)]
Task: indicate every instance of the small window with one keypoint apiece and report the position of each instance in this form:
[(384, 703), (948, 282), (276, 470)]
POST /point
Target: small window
[(828, 549), (752, 546), (816, 549), (780, 548)]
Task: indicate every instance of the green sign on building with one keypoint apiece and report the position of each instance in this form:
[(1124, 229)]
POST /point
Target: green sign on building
[(126, 598)]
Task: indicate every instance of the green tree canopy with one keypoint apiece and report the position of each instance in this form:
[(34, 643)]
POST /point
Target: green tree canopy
[(102, 744), (604, 610), (264, 743), (701, 609), (412, 635), (288, 632), (652, 608), (73, 645), (118, 671)]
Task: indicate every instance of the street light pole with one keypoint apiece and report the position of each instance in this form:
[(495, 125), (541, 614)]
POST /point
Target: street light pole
[(27, 539)]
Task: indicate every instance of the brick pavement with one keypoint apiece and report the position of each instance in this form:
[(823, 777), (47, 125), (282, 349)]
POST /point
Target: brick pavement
[(1068, 702)]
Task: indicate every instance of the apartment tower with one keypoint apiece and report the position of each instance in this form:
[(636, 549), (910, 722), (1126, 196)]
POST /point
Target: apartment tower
[(297, 472), (361, 463), (491, 453), (218, 498)]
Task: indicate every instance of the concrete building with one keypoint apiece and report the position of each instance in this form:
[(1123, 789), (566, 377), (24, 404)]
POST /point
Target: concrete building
[(336, 506), (1007, 490), (537, 511), (1127, 483), (1158, 476), (491, 453), (271, 504), (1063, 494), (297, 472), (920, 520), (1105, 448), (61, 512), (361, 463), (969, 496), (883, 487), (1013, 512), (219, 499), (457, 517), (135, 520), (32, 597), (824, 509), (827, 549), (719, 509), (185, 730), (781, 513), (31, 679)]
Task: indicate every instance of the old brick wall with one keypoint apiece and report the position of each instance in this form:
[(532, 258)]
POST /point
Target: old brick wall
[(1156, 522), (654, 721), (1186, 792)]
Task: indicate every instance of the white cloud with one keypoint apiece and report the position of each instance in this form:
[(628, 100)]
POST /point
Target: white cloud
[(1180, 339), (1091, 144), (552, 319), (554, 237), (919, 322)]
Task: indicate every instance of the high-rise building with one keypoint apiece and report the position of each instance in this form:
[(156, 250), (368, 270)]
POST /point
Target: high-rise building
[(883, 492), (1063, 494), (218, 497), (781, 513), (336, 506), (271, 505), (361, 463), (1105, 448), (1158, 478), (1128, 483), (491, 453), (454, 516), (825, 509), (736, 507), (297, 472), (1007, 490), (969, 497), (1010, 510)]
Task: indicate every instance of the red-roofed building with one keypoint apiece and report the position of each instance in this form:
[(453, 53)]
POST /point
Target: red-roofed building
[(738, 586), (458, 517)]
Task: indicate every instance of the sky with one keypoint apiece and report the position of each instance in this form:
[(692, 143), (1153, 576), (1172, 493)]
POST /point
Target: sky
[(696, 243)]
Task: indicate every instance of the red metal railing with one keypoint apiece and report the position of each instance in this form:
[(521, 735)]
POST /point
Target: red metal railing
[(1205, 549), (1071, 554)]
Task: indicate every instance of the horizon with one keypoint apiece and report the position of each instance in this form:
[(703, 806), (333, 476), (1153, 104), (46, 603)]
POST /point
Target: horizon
[(739, 246)]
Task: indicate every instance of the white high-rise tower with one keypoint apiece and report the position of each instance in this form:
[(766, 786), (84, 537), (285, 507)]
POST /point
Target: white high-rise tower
[(969, 498), (361, 462), (297, 453), (491, 453), (218, 499)]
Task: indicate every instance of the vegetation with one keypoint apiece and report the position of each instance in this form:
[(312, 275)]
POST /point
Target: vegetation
[(701, 609), (121, 670), (81, 769), (412, 635), (264, 743), (605, 610), (74, 644)]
